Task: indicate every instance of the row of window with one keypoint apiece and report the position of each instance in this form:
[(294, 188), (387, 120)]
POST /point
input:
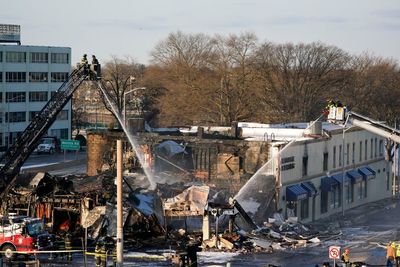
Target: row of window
[(375, 150), (21, 77), (20, 116), (35, 57), (372, 145), (12, 136), (333, 199), (34, 96)]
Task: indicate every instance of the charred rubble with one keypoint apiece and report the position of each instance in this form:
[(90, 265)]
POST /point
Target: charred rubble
[(191, 207), (198, 215)]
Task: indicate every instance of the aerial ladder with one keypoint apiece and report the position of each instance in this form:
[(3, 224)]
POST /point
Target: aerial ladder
[(340, 115), (27, 141), (374, 126)]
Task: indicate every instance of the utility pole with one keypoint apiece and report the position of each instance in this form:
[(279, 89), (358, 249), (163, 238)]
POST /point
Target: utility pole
[(395, 163), (120, 237)]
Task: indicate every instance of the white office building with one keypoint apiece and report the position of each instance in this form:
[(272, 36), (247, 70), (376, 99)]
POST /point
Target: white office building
[(29, 75), (323, 175), (320, 172)]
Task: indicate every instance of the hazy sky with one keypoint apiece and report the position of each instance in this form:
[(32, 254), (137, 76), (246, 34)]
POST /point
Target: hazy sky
[(133, 28)]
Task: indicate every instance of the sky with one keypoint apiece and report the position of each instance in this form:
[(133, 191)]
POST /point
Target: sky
[(132, 28)]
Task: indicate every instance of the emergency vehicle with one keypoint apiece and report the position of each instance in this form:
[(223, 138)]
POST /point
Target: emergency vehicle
[(23, 235)]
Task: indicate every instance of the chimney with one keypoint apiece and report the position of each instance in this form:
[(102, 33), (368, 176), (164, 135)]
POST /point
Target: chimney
[(234, 129), (316, 128)]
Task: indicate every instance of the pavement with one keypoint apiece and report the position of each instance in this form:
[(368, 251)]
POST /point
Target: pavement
[(56, 164), (364, 230)]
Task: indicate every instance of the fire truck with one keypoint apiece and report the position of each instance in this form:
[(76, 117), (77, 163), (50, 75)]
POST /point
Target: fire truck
[(21, 234)]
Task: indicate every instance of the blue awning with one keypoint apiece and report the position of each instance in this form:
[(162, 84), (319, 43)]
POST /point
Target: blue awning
[(339, 178), (367, 172), (327, 183), (310, 188), (354, 175), (295, 192)]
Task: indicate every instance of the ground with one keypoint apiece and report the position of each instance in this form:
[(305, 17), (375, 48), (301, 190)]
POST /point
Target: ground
[(57, 164), (364, 230)]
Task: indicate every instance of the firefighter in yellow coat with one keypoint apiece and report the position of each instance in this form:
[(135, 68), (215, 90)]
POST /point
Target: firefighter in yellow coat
[(97, 254), (346, 257)]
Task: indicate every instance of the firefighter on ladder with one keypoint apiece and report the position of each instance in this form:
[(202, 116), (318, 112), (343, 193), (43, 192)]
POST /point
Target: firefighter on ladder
[(84, 61)]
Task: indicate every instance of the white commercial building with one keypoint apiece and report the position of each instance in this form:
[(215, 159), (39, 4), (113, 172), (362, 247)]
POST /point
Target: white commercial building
[(29, 75), (312, 172), (323, 171)]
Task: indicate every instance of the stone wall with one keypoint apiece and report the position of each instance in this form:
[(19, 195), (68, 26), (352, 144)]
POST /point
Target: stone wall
[(221, 163)]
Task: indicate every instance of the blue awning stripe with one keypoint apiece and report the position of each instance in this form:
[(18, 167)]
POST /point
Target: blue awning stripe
[(339, 178), (327, 183), (354, 175), (367, 172), (310, 188), (296, 192)]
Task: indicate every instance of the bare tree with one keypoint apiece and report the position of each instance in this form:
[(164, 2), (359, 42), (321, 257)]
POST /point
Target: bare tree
[(374, 89), (231, 97), (183, 59), (298, 79), (119, 76), (217, 80)]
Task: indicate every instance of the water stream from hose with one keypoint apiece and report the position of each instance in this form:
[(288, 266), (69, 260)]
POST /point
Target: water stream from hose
[(258, 184), (132, 140)]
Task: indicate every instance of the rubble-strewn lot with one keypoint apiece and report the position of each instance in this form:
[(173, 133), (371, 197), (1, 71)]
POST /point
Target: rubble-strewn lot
[(173, 217)]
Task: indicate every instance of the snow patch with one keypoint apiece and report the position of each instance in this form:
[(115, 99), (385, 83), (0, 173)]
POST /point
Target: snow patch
[(250, 205), (216, 257)]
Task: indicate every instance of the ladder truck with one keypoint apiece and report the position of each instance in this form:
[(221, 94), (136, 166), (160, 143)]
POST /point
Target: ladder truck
[(341, 115), (25, 143)]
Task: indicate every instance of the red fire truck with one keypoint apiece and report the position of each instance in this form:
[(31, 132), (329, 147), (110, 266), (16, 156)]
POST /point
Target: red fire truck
[(23, 234)]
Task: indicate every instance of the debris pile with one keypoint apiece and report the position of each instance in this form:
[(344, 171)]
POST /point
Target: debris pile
[(196, 217), (275, 235)]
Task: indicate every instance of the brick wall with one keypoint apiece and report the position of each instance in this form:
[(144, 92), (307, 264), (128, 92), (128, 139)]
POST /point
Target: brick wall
[(96, 146)]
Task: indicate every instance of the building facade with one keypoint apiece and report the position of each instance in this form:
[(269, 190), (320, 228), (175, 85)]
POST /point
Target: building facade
[(324, 175), (29, 75)]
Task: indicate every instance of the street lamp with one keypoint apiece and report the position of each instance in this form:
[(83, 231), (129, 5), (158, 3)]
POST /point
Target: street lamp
[(343, 164), (124, 103)]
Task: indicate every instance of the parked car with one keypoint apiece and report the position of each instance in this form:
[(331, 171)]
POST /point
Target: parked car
[(47, 145)]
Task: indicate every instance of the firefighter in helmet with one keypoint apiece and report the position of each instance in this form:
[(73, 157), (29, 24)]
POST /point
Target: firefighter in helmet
[(94, 60), (346, 257), (84, 61)]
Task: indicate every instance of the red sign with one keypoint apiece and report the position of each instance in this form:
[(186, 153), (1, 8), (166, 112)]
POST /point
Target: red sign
[(334, 252)]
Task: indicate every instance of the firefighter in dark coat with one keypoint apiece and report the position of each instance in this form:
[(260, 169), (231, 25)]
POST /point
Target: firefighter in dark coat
[(68, 246), (103, 255)]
